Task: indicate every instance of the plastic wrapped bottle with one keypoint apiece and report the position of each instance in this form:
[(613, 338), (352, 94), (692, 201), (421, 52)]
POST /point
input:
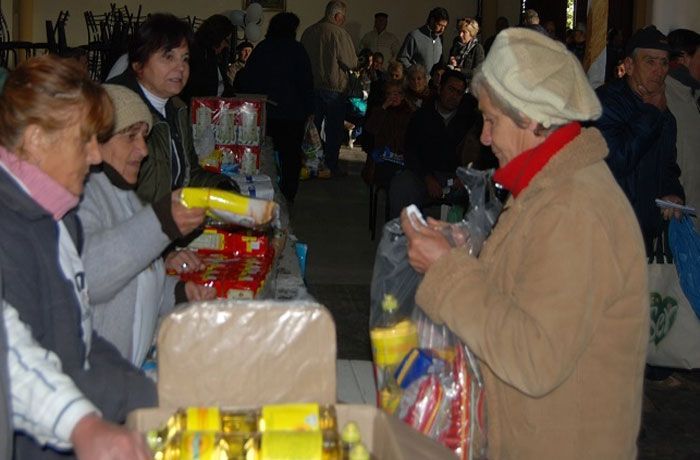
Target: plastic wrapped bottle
[(392, 337)]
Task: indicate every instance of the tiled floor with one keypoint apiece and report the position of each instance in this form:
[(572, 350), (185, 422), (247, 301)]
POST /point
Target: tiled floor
[(332, 217)]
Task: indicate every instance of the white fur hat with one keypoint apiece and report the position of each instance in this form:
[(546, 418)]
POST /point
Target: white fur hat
[(540, 78)]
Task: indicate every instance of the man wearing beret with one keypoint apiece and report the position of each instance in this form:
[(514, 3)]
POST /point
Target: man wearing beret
[(641, 132)]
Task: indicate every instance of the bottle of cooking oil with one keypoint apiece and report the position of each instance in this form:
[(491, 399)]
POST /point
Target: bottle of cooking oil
[(207, 445), (392, 337)]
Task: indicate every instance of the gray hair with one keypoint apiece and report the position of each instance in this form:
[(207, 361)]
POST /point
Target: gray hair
[(417, 68), (479, 85), (335, 7)]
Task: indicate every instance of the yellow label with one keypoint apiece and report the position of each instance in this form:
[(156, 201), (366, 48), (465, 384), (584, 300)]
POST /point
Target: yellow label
[(390, 345), (203, 419), (209, 239), (289, 445), (290, 417)]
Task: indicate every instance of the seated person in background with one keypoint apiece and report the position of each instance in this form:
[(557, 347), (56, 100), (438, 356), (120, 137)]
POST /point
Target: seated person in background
[(417, 90), (436, 74), (211, 43), (387, 124), (158, 71), (432, 139), (43, 402), (243, 52), (124, 239), (51, 116), (377, 70), (395, 71)]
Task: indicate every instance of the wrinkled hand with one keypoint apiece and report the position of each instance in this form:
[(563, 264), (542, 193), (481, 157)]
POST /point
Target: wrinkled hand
[(657, 99), (434, 187), (186, 219), (97, 439), (667, 213), (426, 244), (183, 261), (195, 292)]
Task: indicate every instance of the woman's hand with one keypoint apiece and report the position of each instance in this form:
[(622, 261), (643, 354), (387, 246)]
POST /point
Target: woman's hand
[(195, 292), (186, 219), (426, 244), (667, 213), (97, 439), (183, 261)]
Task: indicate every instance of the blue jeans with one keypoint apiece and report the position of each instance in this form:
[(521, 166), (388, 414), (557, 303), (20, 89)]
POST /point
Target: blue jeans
[(330, 106)]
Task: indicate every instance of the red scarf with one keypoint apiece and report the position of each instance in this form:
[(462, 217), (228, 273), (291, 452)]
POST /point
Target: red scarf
[(517, 174)]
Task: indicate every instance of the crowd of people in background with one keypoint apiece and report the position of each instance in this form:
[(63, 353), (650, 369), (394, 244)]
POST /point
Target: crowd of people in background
[(426, 108)]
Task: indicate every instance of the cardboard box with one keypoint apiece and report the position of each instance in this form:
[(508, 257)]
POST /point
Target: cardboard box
[(247, 354)]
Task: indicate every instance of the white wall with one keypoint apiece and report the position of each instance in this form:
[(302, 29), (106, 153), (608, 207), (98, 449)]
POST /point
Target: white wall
[(404, 15), (668, 15)]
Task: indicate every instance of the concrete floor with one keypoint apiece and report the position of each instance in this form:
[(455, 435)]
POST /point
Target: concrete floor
[(331, 216)]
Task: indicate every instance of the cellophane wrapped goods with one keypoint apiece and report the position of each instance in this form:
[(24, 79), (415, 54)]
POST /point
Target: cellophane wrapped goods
[(237, 261), (228, 133), (313, 162), (437, 387)]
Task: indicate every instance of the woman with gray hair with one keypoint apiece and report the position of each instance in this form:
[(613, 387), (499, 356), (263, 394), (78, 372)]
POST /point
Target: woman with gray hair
[(556, 306)]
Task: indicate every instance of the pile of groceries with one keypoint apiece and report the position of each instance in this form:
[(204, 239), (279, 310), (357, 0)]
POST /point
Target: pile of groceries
[(425, 374), (235, 246), (280, 431)]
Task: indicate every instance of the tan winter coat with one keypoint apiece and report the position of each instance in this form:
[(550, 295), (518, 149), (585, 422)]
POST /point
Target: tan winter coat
[(557, 309), (331, 53)]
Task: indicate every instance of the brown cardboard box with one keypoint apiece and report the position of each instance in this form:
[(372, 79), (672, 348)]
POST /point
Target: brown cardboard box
[(247, 354)]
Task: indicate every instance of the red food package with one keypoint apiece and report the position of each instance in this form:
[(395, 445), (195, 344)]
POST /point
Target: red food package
[(233, 278), (239, 242)]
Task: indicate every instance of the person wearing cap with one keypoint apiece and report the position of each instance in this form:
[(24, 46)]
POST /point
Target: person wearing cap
[(555, 306), (641, 132), (381, 40), (683, 96), (124, 239), (424, 45)]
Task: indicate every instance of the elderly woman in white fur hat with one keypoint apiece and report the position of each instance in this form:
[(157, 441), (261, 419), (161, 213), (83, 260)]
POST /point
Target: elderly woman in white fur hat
[(555, 306), (124, 239)]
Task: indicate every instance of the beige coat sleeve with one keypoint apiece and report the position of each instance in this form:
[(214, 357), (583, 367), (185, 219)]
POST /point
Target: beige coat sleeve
[(532, 335)]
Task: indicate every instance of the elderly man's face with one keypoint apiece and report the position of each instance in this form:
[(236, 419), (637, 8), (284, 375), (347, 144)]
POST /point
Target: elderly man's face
[(647, 70), (507, 139)]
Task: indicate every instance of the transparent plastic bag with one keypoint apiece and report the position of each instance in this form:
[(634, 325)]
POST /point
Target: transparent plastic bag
[(439, 387)]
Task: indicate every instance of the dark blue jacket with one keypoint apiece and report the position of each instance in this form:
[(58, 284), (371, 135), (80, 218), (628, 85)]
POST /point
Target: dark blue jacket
[(281, 69), (34, 284), (432, 145), (642, 143)]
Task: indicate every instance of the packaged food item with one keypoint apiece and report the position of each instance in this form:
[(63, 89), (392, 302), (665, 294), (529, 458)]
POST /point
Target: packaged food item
[(232, 277), (231, 207), (277, 432), (234, 126), (392, 337), (233, 242)]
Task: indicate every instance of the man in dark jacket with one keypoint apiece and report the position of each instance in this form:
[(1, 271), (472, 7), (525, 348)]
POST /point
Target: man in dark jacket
[(432, 139), (641, 132)]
